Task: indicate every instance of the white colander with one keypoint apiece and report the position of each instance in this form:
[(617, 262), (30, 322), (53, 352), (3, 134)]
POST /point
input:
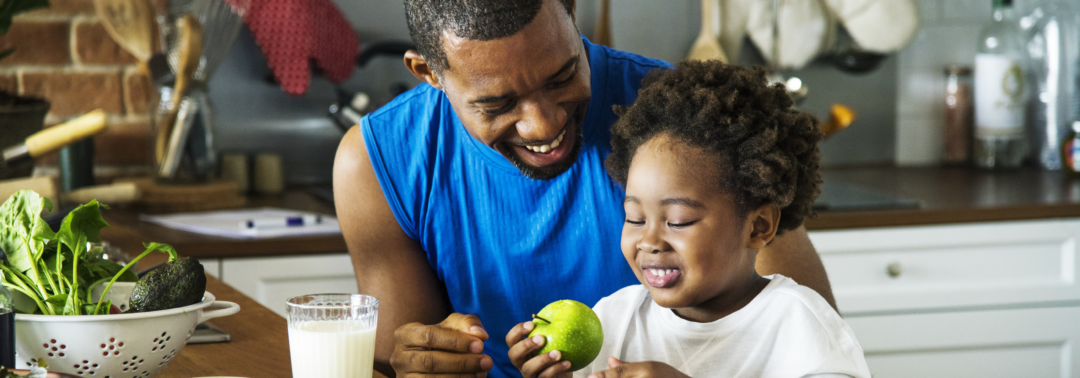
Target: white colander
[(112, 346)]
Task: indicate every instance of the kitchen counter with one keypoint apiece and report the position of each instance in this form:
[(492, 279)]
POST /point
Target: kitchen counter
[(954, 195), (943, 195)]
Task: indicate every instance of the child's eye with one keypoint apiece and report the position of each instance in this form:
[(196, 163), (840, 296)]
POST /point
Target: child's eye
[(636, 223), (681, 225)]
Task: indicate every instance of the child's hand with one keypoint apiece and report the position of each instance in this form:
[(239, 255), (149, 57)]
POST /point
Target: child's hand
[(619, 369), (521, 354)]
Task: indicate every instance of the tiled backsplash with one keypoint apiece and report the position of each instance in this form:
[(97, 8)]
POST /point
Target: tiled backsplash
[(948, 34)]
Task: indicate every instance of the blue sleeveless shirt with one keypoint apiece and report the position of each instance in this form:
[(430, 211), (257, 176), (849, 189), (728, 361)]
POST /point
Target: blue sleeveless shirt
[(503, 244)]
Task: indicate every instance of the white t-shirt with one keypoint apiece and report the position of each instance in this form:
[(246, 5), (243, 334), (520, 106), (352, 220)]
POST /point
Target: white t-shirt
[(786, 331)]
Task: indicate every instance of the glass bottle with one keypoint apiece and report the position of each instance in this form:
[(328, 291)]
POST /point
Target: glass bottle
[(1000, 91), (7, 328), (1054, 49)]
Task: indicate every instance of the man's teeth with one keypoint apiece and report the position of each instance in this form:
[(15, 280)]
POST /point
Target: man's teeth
[(548, 147)]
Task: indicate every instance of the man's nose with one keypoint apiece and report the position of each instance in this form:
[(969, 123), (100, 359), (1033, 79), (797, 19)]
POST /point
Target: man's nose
[(541, 120)]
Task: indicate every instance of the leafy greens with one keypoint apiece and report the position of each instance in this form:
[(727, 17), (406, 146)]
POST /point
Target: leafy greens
[(57, 269)]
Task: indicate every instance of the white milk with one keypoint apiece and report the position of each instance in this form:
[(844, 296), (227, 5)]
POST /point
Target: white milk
[(329, 349)]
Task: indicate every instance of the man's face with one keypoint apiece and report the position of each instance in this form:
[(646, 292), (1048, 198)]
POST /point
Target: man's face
[(525, 95)]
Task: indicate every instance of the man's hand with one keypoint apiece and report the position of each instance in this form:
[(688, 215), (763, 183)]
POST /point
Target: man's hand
[(619, 369), (521, 354), (453, 346)]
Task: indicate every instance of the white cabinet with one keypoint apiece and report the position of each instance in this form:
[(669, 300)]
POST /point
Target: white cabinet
[(991, 299), (272, 280)]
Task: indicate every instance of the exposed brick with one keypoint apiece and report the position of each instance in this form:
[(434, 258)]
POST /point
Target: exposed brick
[(9, 84), (75, 93), (93, 45), (123, 144), (137, 92), (67, 7), (37, 42)]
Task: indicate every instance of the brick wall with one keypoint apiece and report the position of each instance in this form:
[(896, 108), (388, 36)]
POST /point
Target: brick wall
[(64, 55)]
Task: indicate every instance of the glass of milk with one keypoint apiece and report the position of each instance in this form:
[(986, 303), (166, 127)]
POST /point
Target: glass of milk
[(332, 335)]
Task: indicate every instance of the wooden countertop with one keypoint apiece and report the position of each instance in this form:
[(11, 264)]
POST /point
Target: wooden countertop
[(259, 345), (955, 195)]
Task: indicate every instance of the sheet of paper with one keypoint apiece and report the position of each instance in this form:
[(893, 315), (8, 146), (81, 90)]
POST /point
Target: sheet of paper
[(232, 223)]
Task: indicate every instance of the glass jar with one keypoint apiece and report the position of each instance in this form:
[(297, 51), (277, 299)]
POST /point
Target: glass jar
[(958, 115)]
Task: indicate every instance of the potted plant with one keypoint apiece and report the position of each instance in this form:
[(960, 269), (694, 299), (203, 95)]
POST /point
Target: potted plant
[(19, 116)]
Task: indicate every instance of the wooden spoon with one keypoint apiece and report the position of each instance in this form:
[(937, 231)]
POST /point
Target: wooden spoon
[(707, 45), (130, 23), (602, 36), (189, 51)]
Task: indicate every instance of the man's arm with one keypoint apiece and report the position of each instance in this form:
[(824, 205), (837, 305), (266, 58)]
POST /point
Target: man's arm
[(394, 269), (793, 255)]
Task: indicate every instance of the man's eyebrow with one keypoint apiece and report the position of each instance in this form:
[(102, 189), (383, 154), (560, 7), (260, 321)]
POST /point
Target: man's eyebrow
[(491, 99), (682, 201)]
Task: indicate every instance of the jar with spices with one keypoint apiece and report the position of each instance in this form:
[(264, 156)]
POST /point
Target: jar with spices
[(958, 115), (1070, 151)]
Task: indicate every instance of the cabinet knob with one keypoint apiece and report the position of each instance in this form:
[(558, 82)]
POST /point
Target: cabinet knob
[(894, 269)]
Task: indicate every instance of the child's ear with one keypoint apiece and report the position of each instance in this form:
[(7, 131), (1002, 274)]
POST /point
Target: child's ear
[(764, 222)]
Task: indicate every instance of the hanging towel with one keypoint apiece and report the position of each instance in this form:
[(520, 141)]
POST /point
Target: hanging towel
[(881, 26), (294, 33)]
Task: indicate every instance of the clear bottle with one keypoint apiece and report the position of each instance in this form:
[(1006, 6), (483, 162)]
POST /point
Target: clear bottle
[(1000, 91), (7, 329), (1054, 49)]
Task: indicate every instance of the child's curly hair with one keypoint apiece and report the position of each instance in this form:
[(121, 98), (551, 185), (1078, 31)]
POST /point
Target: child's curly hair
[(765, 150)]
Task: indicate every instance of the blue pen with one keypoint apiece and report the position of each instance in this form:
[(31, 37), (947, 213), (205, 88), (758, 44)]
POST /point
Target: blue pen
[(291, 221)]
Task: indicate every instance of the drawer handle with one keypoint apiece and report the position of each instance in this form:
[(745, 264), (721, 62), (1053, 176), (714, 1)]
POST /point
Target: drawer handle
[(894, 269)]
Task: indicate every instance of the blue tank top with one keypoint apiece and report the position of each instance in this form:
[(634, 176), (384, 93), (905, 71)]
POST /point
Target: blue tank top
[(503, 244)]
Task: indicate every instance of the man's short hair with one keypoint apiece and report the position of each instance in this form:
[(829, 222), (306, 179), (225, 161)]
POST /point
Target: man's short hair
[(481, 20)]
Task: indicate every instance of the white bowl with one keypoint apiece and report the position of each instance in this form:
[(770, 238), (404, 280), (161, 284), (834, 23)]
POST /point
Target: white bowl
[(112, 346)]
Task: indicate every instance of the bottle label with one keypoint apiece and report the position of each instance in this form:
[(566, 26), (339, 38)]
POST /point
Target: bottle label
[(999, 90)]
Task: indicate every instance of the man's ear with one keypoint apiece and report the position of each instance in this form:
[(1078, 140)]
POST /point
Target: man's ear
[(764, 221), (420, 68)]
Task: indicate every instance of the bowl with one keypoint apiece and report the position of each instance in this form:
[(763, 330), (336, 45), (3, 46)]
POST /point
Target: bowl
[(112, 346)]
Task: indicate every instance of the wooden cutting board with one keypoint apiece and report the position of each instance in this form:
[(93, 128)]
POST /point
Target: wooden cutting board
[(171, 198)]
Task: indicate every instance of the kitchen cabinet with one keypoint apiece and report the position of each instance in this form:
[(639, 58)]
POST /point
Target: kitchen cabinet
[(980, 299), (272, 280)]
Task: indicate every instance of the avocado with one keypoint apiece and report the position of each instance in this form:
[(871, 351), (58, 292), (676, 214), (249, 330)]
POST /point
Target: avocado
[(177, 283)]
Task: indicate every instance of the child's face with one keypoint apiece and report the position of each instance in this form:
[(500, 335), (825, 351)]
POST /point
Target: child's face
[(684, 237)]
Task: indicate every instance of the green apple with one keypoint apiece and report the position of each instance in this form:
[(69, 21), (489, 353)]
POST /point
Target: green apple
[(571, 328)]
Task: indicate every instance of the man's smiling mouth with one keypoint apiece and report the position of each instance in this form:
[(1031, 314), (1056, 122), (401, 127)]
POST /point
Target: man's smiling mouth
[(543, 149)]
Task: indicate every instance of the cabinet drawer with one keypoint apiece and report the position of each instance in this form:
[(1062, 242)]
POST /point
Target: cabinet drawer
[(908, 268), (1031, 342)]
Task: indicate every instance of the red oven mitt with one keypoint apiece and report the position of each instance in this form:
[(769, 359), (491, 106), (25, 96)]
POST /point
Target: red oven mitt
[(294, 33)]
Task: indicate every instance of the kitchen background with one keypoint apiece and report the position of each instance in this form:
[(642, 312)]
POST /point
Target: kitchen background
[(65, 55)]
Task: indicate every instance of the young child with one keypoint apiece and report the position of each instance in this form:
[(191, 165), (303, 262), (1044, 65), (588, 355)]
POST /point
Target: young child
[(715, 164)]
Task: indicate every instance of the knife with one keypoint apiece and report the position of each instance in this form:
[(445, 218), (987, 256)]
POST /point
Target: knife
[(53, 138)]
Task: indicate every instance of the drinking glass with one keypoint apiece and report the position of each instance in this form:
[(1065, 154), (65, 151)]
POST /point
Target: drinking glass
[(332, 335)]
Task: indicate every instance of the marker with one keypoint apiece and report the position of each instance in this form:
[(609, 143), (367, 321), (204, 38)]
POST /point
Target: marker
[(293, 221)]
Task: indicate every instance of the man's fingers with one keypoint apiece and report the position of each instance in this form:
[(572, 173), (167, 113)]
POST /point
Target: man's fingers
[(435, 362), (522, 352), (466, 323), (416, 335), (613, 362), (518, 332), (620, 371)]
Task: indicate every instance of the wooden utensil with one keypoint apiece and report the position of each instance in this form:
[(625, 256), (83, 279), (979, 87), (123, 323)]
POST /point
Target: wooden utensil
[(131, 24), (602, 35), (189, 51), (52, 139), (707, 45)]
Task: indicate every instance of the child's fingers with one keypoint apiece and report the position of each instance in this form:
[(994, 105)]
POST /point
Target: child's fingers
[(521, 352), (518, 332), (538, 366), (556, 370)]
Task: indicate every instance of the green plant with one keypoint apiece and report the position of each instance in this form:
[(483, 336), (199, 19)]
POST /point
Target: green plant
[(10, 8)]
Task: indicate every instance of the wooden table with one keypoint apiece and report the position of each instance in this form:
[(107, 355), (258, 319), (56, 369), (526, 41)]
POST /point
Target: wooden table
[(259, 346)]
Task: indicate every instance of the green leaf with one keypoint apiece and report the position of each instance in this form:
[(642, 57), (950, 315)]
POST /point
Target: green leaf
[(111, 269), (21, 225), (58, 299), (82, 225)]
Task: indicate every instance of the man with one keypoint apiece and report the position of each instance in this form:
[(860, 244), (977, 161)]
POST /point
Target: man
[(478, 197)]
